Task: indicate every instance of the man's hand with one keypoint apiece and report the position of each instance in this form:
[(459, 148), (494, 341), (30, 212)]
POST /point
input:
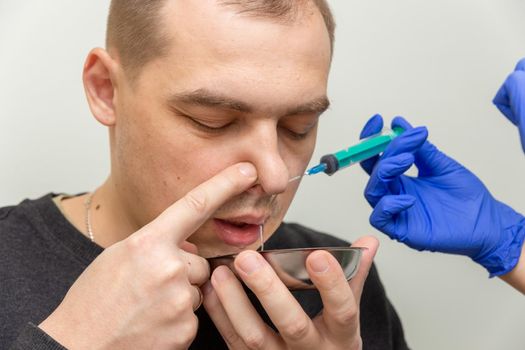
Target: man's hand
[(510, 99), (141, 293), (446, 208), (337, 327)]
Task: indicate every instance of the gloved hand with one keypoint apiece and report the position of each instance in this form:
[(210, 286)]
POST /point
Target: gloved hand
[(510, 99), (446, 208)]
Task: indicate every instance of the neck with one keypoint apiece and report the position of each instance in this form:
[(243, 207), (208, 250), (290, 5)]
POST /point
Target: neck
[(111, 219)]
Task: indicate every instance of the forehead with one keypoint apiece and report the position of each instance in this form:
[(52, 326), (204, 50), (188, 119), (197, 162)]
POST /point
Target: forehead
[(215, 25), (219, 47)]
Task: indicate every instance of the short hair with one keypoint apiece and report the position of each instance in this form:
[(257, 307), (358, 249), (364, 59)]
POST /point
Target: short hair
[(133, 26)]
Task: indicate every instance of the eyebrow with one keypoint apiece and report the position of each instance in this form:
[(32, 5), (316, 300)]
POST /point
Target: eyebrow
[(206, 98)]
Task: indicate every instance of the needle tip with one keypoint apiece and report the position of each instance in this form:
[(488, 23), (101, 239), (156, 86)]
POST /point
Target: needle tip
[(316, 169)]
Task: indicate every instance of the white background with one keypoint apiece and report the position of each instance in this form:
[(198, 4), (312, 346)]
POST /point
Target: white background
[(438, 63)]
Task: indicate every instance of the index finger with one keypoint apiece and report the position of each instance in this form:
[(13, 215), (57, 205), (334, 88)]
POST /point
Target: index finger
[(185, 216)]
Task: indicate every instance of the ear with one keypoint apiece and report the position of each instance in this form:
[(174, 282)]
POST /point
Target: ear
[(99, 77)]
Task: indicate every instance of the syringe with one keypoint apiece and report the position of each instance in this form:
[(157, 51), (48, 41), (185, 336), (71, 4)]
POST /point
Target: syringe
[(367, 148)]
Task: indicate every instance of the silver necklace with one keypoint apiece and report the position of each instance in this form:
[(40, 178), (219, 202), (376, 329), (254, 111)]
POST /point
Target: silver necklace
[(87, 205)]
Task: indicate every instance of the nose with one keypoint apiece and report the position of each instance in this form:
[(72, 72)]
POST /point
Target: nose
[(266, 155)]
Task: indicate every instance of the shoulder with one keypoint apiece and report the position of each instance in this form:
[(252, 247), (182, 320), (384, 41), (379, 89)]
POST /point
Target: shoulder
[(13, 218), (25, 228), (16, 218), (22, 270), (292, 235)]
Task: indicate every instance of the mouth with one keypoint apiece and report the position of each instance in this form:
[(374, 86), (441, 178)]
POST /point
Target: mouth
[(239, 231)]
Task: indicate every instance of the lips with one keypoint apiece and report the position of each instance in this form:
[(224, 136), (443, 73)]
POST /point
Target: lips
[(239, 231)]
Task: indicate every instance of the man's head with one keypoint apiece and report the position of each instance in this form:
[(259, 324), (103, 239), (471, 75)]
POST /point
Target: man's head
[(191, 87), (135, 29)]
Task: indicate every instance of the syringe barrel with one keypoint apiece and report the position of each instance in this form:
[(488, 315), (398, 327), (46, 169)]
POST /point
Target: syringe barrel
[(366, 149)]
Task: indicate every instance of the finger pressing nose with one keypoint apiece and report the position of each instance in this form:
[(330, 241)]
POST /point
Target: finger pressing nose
[(186, 215)]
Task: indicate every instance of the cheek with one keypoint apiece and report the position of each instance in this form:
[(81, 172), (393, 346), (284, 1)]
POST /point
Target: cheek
[(158, 161), (298, 155), (189, 161)]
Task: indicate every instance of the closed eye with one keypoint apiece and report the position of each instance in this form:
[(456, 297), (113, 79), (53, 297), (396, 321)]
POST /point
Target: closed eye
[(296, 135), (209, 128)]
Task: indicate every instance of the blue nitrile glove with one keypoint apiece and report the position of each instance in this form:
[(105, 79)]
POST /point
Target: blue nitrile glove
[(510, 99), (446, 208)]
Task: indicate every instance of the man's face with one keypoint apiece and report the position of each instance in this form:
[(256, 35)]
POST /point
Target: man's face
[(233, 88)]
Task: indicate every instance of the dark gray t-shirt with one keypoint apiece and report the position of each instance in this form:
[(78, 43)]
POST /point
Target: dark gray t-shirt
[(42, 254)]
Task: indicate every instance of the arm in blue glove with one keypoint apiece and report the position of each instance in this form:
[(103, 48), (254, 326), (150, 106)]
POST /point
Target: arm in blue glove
[(446, 208)]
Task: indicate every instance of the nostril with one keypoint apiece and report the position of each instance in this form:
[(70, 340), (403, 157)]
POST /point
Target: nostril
[(256, 189)]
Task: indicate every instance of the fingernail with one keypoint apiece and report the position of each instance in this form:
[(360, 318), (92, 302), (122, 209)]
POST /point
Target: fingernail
[(319, 263), (221, 274), (247, 170), (249, 263)]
